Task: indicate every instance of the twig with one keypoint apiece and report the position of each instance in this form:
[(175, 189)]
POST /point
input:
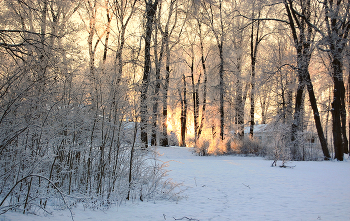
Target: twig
[(185, 217), (246, 185), (284, 166)]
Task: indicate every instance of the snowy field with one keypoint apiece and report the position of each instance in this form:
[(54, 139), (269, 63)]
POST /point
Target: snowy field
[(233, 188)]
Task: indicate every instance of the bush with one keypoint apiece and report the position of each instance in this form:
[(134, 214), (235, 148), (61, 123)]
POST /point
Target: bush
[(251, 146)]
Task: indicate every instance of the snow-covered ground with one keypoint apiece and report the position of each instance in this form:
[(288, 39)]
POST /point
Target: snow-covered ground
[(233, 188)]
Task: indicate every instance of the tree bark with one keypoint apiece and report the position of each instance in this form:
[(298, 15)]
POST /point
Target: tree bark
[(317, 119), (200, 128), (183, 113), (158, 61), (164, 139), (302, 43), (222, 90), (255, 40), (165, 38), (336, 111), (195, 102), (337, 24), (150, 12)]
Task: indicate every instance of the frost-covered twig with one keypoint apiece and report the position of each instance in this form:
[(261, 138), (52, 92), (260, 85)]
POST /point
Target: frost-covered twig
[(36, 175)]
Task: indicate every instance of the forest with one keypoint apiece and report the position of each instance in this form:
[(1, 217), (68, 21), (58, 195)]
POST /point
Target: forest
[(88, 86)]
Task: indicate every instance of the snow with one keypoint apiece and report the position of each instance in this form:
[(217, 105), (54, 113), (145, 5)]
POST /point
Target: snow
[(258, 128), (233, 188)]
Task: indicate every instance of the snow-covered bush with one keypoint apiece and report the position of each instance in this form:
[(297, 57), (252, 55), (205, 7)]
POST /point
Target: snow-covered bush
[(76, 158), (279, 149), (305, 146), (201, 147), (251, 146)]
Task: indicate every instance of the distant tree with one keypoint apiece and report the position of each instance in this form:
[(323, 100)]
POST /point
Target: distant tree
[(239, 38), (184, 107), (256, 36), (165, 26), (214, 18), (168, 30), (204, 69)]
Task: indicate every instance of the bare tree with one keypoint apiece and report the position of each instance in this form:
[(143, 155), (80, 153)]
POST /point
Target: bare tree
[(204, 69), (215, 21), (150, 11), (168, 30), (337, 31), (256, 37), (183, 119), (303, 36)]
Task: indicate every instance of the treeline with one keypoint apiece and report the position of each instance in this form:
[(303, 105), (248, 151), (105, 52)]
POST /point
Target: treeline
[(233, 63)]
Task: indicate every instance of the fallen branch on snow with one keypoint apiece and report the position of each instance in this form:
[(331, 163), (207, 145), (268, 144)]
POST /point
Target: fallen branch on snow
[(185, 217), (246, 185)]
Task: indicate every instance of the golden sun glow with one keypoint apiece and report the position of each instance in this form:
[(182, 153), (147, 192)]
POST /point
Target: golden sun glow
[(209, 138), (174, 125)]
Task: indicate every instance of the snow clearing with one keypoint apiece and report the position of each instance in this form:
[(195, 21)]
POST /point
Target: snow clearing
[(231, 188)]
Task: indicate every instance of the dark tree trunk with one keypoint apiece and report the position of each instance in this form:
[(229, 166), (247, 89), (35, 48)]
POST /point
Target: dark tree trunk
[(221, 76), (164, 140), (296, 125), (155, 107), (131, 162), (252, 100), (317, 119), (158, 61), (150, 12), (183, 113), (348, 96), (200, 128), (337, 109), (194, 100), (337, 22), (343, 114)]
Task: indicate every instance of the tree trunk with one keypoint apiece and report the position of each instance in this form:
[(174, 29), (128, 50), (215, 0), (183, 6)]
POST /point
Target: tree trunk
[(164, 139), (165, 39), (131, 161), (158, 61), (298, 115), (337, 109), (252, 100), (222, 91), (239, 108), (348, 96), (183, 113), (150, 12), (255, 39), (195, 102), (317, 119), (200, 128), (302, 43)]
